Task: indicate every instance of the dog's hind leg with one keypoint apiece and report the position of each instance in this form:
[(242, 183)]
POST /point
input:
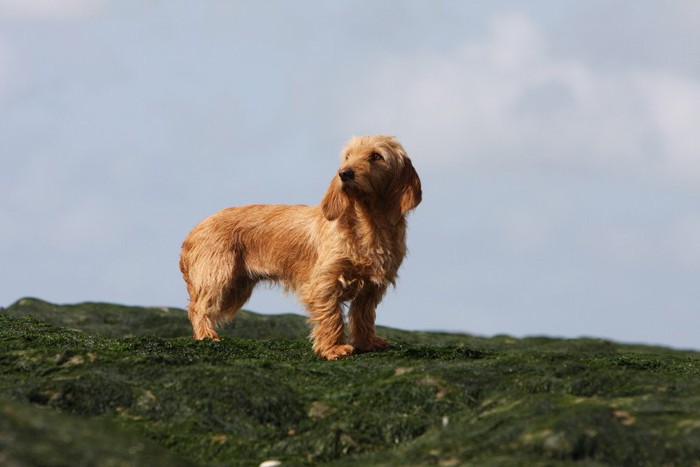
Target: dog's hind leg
[(203, 323), (218, 305), (235, 297), (217, 285)]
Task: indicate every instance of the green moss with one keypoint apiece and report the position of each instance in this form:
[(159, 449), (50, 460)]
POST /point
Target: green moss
[(31, 436), (441, 398)]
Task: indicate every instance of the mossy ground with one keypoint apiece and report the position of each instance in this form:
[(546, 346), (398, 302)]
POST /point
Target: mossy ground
[(431, 399)]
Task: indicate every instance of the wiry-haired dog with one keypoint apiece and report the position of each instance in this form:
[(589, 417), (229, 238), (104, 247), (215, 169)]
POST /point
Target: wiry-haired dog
[(348, 249)]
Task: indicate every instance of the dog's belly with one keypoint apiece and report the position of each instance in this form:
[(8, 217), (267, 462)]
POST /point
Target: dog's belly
[(349, 287)]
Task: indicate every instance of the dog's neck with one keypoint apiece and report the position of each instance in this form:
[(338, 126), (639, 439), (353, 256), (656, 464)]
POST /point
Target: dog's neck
[(373, 227)]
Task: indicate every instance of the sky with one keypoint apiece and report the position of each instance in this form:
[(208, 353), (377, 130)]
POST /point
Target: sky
[(557, 144)]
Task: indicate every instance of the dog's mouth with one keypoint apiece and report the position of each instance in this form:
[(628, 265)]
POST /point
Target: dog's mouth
[(351, 187)]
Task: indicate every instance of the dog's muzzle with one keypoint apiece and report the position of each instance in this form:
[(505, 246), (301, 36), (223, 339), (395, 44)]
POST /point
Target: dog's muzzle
[(346, 175)]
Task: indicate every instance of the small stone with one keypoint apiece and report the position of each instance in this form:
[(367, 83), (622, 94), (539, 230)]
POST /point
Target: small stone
[(624, 417), (318, 410)]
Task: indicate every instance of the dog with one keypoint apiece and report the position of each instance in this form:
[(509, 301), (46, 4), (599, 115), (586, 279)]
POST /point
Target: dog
[(347, 249)]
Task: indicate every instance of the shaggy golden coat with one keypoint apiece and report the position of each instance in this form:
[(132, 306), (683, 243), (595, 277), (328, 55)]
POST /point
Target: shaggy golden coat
[(347, 249)]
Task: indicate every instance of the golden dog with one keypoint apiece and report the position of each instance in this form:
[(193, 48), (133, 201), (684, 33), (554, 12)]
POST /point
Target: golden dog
[(347, 249)]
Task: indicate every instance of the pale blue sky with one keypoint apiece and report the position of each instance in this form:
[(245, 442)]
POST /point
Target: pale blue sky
[(557, 143)]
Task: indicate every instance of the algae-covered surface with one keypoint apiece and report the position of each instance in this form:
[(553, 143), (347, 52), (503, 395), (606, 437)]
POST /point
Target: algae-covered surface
[(99, 384)]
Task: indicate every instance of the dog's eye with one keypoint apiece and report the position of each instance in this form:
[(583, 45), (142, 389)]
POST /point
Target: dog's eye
[(375, 156)]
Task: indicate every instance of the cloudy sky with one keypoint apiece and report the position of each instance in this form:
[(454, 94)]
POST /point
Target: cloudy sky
[(557, 142)]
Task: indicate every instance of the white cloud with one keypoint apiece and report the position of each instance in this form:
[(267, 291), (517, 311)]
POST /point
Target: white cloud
[(5, 60), (506, 102), (49, 9), (525, 231), (675, 112), (684, 241)]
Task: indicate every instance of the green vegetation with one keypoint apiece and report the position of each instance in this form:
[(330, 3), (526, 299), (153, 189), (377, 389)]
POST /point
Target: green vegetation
[(99, 384)]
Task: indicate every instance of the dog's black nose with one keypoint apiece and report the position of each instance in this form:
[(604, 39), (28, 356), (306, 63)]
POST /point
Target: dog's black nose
[(347, 174)]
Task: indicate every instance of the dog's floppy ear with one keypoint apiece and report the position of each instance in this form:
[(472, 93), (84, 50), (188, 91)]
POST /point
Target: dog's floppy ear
[(412, 191), (335, 201), (408, 193)]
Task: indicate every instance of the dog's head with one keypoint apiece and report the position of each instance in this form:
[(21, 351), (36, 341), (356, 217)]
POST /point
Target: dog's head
[(376, 172)]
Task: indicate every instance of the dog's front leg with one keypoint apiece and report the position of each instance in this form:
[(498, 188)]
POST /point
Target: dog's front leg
[(327, 325), (362, 317)]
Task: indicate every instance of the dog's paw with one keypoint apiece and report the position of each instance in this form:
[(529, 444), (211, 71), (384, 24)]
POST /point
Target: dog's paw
[(373, 344), (337, 352), (207, 335)]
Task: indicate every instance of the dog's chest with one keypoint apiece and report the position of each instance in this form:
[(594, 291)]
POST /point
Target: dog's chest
[(370, 255), (377, 266)]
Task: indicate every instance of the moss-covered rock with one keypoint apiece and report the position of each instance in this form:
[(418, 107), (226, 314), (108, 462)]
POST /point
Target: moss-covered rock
[(445, 399), (110, 320), (31, 436)]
